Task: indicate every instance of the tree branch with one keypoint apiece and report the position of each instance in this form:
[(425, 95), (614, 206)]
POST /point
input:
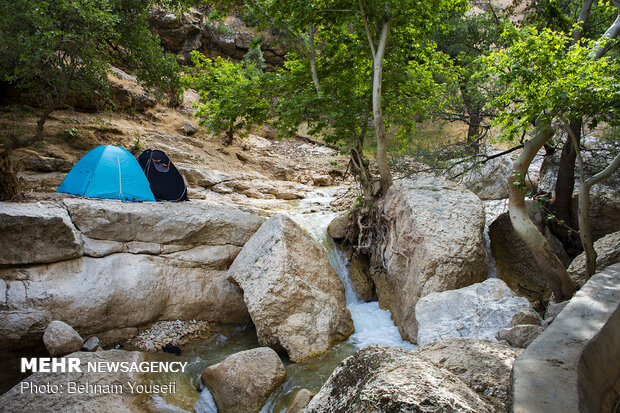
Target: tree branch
[(610, 34), (312, 57), (368, 34)]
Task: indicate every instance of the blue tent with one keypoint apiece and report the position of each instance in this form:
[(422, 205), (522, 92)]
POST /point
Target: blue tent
[(108, 172)]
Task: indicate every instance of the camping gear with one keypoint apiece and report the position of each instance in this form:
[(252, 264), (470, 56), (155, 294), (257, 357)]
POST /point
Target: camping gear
[(166, 182), (108, 172)]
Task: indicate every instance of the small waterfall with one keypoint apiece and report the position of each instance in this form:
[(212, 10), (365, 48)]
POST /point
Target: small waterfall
[(492, 210), (372, 324)]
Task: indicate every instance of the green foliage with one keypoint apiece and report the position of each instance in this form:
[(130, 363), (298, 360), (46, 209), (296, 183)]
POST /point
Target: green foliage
[(412, 86), (136, 146), (232, 95), (49, 49), (70, 135), (542, 75), (468, 39)]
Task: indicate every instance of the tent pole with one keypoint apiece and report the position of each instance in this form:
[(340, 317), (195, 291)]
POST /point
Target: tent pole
[(120, 180)]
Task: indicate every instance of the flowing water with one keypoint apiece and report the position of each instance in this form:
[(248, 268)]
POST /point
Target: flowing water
[(372, 326), (492, 210)]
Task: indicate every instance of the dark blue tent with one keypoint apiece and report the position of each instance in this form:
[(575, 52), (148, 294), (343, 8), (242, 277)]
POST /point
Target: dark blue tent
[(108, 172), (166, 182)]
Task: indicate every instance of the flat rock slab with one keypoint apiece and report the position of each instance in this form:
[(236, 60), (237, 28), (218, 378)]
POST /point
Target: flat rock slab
[(36, 233), (118, 291), (573, 365), (186, 223), (478, 311)]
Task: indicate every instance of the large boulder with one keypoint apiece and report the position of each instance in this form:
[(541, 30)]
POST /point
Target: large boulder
[(242, 382), (482, 365), (36, 233), (61, 339), (489, 180), (607, 253), (390, 379), (26, 400), (478, 311), (117, 292), (515, 262), (435, 243), (162, 222), (293, 295)]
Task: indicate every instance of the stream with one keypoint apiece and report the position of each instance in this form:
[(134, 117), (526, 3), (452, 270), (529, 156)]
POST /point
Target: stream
[(372, 326)]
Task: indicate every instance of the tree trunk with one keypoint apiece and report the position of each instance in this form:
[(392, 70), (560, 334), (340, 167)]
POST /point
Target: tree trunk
[(359, 164), (555, 274), (475, 119), (377, 111), (584, 210), (9, 183), (312, 57), (561, 204)]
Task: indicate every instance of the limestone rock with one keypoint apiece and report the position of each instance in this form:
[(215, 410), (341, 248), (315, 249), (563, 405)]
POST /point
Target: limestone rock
[(553, 310), (163, 223), (514, 260), (100, 248), (321, 180), (520, 336), (604, 210), (359, 274), (482, 365), (551, 165), (92, 344), (47, 164), (435, 244), (337, 229), (242, 382), (604, 197), (293, 295), (118, 292), (63, 401), (222, 189), (489, 180), (188, 128), (526, 315), (478, 311), (36, 233), (300, 401), (60, 339), (181, 35), (607, 253), (390, 379)]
